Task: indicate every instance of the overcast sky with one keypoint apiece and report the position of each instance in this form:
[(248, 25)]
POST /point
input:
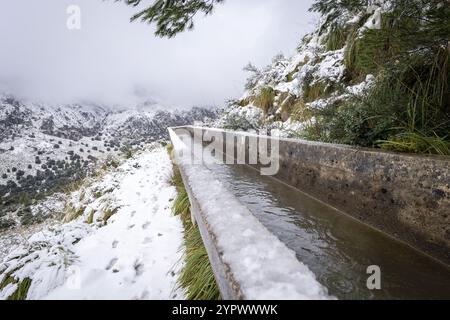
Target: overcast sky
[(110, 59)]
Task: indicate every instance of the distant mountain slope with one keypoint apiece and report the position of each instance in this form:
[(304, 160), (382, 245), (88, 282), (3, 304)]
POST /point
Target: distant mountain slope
[(45, 147)]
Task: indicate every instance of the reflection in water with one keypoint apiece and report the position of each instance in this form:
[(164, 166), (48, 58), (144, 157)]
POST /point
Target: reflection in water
[(337, 248)]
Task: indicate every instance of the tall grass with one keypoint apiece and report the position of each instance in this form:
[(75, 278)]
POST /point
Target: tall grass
[(337, 37), (426, 128), (415, 142), (408, 109), (197, 276), (265, 99)]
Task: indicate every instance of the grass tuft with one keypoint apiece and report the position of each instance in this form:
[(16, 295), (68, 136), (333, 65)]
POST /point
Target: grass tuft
[(336, 38), (22, 290), (417, 142), (72, 213), (265, 99), (314, 91), (197, 276), (109, 213), (90, 218), (22, 287)]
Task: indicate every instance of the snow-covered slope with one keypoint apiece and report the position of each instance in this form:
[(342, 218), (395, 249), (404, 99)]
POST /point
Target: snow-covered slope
[(43, 148), (124, 241)]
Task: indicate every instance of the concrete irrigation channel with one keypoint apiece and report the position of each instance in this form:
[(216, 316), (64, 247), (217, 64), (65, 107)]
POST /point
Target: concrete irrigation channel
[(340, 209)]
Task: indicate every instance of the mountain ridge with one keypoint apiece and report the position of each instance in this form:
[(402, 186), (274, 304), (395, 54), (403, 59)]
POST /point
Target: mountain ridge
[(44, 147)]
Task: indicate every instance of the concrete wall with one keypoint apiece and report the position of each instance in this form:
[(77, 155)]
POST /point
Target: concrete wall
[(233, 237), (405, 196), (228, 286)]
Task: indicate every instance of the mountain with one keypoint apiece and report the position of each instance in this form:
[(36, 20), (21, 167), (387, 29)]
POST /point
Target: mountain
[(45, 148)]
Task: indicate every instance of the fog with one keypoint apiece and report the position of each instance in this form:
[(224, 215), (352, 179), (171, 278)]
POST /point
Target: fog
[(110, 60)]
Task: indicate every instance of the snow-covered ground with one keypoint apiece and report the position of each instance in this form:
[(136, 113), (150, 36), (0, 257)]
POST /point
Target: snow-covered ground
[(124, 244)]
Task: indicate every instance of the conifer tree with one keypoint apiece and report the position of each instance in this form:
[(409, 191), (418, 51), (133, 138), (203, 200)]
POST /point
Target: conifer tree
[(172, 16)]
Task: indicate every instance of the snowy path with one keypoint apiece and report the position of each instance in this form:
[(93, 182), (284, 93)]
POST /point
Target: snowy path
[(135, 254)]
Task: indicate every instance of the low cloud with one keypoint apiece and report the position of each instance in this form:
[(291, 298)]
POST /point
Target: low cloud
[(113, 61)]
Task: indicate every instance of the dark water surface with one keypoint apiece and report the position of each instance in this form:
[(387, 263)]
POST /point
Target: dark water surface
[(337, 248)]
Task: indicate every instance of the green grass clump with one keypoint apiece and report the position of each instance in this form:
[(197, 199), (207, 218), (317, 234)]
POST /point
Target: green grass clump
[(22, 287), (170, 150), (90, 218), (337, 37), (111, 163), (72, 213), (265, 99), (182, 205), (417, 142), (109, 213), (98, 194), (407, 110), (290, 77), (22, 290), (245, 102), (367, 52), (9, 279), (197, 276), (127, 152), (314, 91)]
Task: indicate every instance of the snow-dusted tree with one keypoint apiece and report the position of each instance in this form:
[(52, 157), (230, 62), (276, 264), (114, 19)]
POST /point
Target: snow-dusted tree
[(172, 16), (254, 75)]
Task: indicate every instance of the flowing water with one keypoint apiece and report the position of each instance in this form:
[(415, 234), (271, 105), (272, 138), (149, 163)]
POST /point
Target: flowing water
[(337, 248)]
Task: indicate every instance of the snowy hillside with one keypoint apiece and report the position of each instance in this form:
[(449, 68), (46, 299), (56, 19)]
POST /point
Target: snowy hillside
[(373, 74), (46, 148), (284, 94), (121, 242)]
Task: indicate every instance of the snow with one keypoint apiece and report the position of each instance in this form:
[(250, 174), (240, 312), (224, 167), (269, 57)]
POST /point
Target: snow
[(362, 87), (332, 67), (249, 116), (288, 86), (374, 22), (311, 65), (136, 254), (263, 266)]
